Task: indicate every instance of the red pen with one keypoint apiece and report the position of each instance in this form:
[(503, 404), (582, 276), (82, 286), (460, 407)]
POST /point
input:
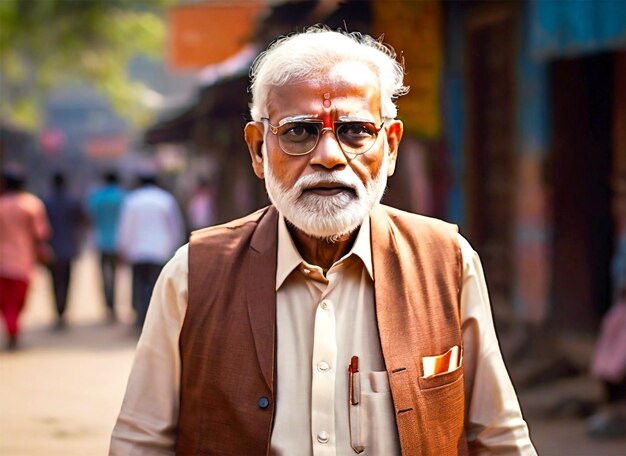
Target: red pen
[(354, 397), (355, 384)]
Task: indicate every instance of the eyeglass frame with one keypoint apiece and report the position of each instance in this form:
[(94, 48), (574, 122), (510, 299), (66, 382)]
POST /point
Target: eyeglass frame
[(305, 119)]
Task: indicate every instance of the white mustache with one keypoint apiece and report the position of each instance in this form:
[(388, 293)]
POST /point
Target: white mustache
[(335, 177)]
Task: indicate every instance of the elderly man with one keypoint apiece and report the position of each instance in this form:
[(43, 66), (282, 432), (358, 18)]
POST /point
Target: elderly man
[(327, 323)]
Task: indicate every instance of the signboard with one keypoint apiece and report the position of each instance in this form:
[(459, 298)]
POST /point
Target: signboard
[(107, 146), (414, 29), (207, 33)]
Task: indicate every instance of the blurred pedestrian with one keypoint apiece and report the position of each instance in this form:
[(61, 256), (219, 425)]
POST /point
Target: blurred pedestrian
[(151, 229), (201, 206), (104, 206), (609, 358), (326, 323), (24, 230), (67, 220)]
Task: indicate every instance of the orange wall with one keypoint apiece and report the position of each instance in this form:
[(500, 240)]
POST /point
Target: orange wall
[(204, 34)]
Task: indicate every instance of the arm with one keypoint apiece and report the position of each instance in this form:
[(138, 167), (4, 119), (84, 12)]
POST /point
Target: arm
[(123, 231), (494, 424), (147, 421), (41, 225), (41, 231)]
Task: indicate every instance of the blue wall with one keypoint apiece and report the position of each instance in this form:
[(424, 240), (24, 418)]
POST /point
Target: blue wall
[(574, 27), (452, 98)]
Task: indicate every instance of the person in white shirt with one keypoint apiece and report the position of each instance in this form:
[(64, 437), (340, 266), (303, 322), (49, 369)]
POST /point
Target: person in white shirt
[(151, 228), (327, 323)]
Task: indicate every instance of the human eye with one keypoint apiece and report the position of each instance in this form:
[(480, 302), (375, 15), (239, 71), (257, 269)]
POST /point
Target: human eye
[(357, 130), (298, 131)]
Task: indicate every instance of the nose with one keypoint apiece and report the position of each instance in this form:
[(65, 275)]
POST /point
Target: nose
[(327, 152)]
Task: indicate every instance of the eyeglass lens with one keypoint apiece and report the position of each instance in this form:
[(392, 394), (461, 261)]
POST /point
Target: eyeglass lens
[(299, 138)]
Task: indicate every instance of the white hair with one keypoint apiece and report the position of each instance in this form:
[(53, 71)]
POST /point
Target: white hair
[(312, 53)]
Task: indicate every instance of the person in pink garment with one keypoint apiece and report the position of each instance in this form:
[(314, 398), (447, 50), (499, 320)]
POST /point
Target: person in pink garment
[(24, 230), (609, 357)]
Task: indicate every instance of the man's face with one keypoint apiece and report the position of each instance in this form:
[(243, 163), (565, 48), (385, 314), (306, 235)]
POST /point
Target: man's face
[(326, 193)]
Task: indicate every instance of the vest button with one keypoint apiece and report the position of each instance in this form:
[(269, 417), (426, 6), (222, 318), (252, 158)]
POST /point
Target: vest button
[(323, 437), (264, 402)]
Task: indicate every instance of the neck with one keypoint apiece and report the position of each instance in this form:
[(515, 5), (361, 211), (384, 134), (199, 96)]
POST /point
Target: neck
[(321, 252)]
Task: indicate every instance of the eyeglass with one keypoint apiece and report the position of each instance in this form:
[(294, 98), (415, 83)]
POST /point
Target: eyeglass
[(301, 137)]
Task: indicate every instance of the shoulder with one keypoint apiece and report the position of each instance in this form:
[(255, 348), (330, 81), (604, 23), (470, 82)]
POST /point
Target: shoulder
[(409, 221), (471, 260), (230, 229), (136, 196), (111, 192), (159, 196), (27, 196), (177, 266), (32, 202)]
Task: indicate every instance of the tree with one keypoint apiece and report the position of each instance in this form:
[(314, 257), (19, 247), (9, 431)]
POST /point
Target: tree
[(46, 43)]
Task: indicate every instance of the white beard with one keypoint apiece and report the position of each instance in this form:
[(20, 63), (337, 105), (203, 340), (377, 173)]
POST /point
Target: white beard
[(326, 217)]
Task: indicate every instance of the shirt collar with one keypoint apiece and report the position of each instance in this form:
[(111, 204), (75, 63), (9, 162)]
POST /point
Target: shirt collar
[(288, 257)]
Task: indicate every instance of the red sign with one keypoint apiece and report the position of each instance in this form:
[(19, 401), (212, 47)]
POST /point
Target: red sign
[(205, 34), (52, 141), (107, 146)]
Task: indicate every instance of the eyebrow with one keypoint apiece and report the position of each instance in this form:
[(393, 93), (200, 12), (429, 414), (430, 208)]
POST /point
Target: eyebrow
[(298, 118), (355, 119), (305, 117)]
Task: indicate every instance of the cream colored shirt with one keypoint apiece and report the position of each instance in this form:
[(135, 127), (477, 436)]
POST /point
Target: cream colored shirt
[(322, 321)]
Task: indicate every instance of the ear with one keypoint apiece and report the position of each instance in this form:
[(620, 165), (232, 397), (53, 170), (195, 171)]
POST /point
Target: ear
[(394, 130), (254, 135)]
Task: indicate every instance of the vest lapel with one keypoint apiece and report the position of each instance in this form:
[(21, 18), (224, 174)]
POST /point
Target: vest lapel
[(386, 261), (261, 291)]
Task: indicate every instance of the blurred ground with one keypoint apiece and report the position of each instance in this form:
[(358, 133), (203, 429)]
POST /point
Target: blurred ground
[(61, 392)]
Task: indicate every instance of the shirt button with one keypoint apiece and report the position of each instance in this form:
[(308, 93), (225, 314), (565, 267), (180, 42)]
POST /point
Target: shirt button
[(323, 366), (323, 437), (264, 402), (324, 305)]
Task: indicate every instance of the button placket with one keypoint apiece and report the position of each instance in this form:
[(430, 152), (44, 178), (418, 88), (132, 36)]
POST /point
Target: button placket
[(323, 380)]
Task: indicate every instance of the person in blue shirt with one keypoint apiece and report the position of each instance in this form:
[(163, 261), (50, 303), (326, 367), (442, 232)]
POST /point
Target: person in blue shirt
[(104, 206)]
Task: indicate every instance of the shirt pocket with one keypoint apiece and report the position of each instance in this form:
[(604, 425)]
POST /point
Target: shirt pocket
[(377, 417)]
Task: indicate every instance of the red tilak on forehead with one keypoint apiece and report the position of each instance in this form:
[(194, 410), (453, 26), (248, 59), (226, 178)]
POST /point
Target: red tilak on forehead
[(326, 117), (327, 102)]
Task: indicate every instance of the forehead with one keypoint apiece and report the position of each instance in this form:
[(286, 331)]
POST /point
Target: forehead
[(352, 88)]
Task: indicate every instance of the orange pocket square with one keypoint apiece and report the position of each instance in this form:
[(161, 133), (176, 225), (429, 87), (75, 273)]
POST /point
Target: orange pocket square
[(440, 364)]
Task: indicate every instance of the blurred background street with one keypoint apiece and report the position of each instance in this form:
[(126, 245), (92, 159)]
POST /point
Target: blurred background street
[(61, 392), (515, 130)]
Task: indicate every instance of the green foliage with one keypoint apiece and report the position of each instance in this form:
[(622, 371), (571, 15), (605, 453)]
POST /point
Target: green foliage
[(44, 43)]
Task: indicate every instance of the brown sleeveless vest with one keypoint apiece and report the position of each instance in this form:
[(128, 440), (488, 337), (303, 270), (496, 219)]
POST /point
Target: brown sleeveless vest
[(227, 343)]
